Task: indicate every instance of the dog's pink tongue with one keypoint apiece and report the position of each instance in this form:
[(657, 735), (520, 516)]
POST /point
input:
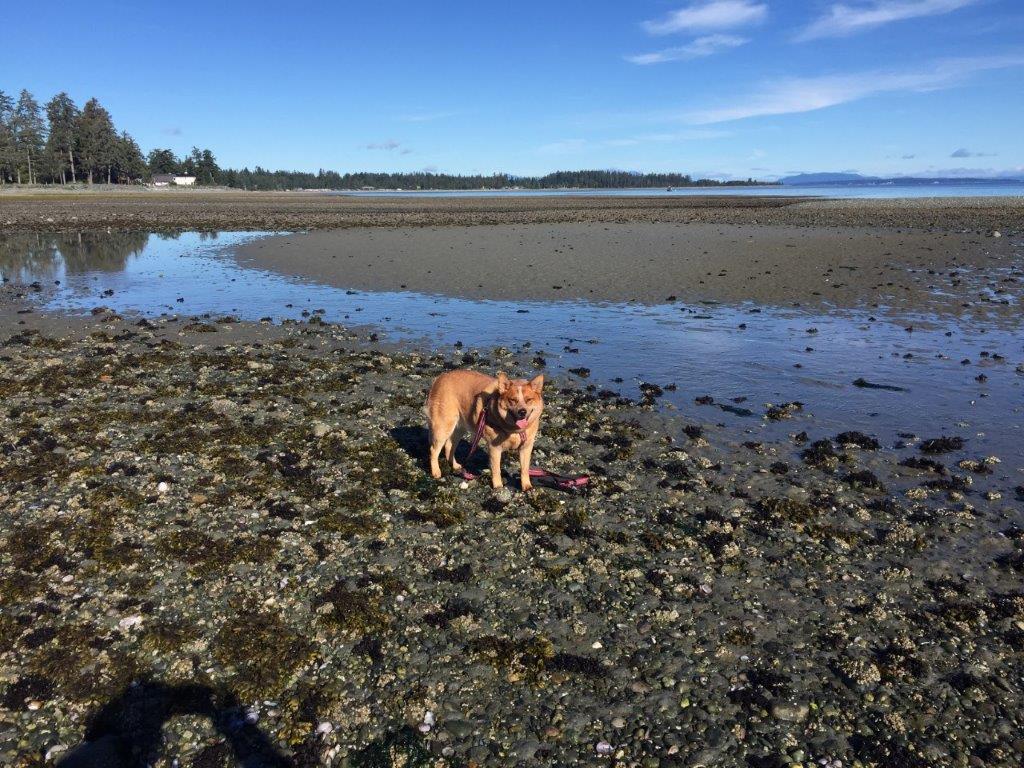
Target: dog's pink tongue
[(521, 423)]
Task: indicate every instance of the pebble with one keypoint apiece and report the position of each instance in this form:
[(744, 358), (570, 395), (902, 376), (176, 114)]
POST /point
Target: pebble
[(55, 750), (129, 622), (792, 712), (603, 748)]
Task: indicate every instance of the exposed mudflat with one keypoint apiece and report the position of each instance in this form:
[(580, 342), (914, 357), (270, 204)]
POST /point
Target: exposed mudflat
[(219, 541), (224, 210), (227, 529), (654, 262)]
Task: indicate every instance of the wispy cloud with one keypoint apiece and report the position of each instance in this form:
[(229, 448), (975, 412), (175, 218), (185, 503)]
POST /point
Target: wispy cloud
[(702, 46), (842, 19), (172, 131), (907, 157), (388, 146), (708, 15), (962, 152), (806, 94)]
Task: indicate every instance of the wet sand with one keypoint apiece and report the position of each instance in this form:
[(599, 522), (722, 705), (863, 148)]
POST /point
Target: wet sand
[(657, 262)]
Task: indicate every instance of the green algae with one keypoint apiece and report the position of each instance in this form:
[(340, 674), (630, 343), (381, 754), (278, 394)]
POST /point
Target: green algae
[(261, 650), (355, 611), (789, 510), (167, 635), (206, 554), (526, 658)]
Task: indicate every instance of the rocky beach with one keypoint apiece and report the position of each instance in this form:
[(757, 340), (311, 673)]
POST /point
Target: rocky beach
[(220, 542)]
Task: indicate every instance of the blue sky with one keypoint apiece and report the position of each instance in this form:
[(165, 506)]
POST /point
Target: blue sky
[(725, 88)]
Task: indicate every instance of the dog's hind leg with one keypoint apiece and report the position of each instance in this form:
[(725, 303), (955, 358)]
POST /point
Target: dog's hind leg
[(440, 439), (449, 448)]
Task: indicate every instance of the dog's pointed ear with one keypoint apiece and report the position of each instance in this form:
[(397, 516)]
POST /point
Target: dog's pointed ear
[(503, 383), (537, 383)]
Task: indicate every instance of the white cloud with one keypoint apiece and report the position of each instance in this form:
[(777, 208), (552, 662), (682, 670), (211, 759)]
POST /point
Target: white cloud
[(709, 15), (702, 46), (842, 19), (962, 153), (806, 94)]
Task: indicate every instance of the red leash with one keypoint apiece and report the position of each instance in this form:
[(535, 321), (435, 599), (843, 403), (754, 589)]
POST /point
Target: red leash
[(551, 479)]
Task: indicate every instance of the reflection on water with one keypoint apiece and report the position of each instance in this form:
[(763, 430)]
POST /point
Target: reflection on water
[(28, 256), (743, 357)]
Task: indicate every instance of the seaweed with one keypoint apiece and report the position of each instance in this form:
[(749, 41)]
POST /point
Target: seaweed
[(261, 651), (355, 611)]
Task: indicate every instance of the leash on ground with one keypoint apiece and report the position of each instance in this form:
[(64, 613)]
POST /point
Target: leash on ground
[(543, 477)]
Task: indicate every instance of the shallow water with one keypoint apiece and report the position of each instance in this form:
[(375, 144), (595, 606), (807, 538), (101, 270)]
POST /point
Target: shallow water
[(779, 356), (840, 191)]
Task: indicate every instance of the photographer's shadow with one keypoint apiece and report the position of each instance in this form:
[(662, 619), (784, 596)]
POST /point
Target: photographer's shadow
[(127, 732)]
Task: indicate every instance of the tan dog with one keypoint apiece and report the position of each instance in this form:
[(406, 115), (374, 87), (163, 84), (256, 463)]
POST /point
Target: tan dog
[(511, 410)]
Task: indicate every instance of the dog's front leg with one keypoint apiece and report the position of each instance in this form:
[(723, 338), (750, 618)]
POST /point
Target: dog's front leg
[(495, 454), (525, 456)]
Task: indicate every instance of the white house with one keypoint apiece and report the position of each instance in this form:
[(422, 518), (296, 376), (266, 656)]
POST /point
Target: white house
[(166, 179)]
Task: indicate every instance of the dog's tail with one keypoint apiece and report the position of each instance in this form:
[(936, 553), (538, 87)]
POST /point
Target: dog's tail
[(426, 411)]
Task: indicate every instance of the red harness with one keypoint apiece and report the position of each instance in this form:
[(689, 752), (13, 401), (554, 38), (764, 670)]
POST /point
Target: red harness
[(552, 479)]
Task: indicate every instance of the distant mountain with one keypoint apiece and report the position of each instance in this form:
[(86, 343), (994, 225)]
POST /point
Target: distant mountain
[(825, 178), (856, 179)]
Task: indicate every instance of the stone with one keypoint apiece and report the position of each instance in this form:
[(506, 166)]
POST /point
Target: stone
[(789, 711)]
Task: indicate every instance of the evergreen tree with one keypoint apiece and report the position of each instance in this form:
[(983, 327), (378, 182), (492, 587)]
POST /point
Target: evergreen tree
[(129, 163), (6, 138), (29, 135), (203, 165), (163, 161), (62, 115), (96, 141)]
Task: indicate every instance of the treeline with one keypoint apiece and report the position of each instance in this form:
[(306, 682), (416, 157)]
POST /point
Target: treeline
[(59, 143), (263, 179)]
